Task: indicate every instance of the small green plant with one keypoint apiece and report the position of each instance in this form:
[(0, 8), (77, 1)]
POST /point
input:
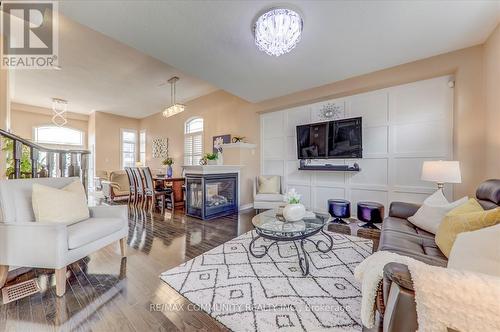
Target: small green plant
[(211, 156), (168, 161)]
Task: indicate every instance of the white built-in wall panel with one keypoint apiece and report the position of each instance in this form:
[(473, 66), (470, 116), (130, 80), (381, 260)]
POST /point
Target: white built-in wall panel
[(402, 127)]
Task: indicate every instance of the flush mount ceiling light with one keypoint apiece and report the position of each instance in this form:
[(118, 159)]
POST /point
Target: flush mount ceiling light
[(277, 31), (174, 108), (59, 107)]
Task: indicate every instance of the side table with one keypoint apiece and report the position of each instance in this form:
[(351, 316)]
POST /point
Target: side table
[(371, 234), (352, 228)]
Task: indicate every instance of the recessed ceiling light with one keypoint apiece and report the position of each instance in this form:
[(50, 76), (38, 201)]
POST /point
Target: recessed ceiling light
[(278, 31)]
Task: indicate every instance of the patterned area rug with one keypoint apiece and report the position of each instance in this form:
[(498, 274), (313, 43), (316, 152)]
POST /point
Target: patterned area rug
[(268, 294)]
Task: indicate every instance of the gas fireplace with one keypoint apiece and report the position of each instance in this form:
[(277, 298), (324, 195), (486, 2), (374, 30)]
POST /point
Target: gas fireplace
[(211, 195)]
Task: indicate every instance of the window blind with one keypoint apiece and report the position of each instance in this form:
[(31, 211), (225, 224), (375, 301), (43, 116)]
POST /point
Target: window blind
[(193, 148)]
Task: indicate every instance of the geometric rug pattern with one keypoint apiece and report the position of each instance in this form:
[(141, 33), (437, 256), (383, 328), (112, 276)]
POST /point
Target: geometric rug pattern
[(245, 293)]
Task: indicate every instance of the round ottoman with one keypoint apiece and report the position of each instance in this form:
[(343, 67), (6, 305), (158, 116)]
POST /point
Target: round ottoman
[(370, 213), (338, 209)]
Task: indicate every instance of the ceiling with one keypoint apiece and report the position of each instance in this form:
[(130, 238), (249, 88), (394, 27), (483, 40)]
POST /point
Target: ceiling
[(102, 74), (212, 40)]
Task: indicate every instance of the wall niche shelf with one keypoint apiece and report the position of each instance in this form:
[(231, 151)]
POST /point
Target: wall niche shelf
[(240, 145), (330, 168)]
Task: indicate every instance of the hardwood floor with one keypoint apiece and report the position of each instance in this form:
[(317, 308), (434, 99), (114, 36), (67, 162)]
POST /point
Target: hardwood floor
[(108, 293)]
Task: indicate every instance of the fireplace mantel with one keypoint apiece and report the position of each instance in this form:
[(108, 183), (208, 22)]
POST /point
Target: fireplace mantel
[(212, 169)]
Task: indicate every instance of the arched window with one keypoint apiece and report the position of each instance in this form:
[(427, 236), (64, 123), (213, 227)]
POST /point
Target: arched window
[(193, 141), (58, 135)]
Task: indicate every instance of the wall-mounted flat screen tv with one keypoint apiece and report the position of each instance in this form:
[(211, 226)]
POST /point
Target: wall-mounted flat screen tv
[(339, 139)]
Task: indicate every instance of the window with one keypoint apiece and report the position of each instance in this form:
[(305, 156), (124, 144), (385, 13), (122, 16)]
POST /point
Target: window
[(193, 141), (128, 147), (58, 135), (142, 147)]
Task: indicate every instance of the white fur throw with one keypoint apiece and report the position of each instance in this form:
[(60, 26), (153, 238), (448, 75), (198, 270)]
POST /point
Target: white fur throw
[(445, 298), (370, 272)]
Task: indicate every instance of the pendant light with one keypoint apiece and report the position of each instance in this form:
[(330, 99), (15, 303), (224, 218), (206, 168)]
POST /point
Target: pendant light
[(175, 108)]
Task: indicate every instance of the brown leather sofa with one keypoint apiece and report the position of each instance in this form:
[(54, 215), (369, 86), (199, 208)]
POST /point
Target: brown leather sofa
[(396, 297)]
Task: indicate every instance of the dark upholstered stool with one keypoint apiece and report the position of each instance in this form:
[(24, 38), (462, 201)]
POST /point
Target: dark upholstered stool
[(338, 209), (370, 213)]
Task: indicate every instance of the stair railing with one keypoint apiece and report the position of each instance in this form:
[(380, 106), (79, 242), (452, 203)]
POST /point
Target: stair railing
[(43, 161)]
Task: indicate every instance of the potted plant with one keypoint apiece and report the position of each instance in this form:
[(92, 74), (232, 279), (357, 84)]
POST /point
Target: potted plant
[(168, 162), (294, 210), (211, 158)]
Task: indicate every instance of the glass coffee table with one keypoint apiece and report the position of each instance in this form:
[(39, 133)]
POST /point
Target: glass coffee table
[(268, 226)]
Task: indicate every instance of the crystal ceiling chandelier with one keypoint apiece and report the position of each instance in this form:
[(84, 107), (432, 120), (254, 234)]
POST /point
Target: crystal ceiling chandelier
[(59, 107), (278, 31), (175, 108)]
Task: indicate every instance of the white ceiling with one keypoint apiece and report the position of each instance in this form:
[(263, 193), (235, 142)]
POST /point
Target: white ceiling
[(212, 40), (99, 73)]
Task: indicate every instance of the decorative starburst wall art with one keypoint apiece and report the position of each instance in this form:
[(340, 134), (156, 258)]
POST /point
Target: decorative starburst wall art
[(160, 147), (331, 111)]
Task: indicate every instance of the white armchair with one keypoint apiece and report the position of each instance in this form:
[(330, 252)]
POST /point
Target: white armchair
[(267, 201), (25, 242)]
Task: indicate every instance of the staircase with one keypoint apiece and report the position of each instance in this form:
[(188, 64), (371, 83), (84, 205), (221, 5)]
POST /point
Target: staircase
[(25, 159)]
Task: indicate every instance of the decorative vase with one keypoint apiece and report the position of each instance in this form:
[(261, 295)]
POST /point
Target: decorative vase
[(212, 162), (294, 212), (169, 171), (220, 160)]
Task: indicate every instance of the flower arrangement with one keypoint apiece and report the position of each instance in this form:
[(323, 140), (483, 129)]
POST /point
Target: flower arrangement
[(294, 210), (168, 161), (292, 197), (218, 144)]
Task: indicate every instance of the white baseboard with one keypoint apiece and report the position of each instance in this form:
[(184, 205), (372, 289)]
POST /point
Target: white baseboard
[(246, 207)]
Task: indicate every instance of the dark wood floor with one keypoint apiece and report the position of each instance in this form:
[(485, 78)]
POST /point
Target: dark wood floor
[(107, 293)]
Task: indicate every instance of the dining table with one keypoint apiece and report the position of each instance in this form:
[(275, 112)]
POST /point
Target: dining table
[(176, 183)]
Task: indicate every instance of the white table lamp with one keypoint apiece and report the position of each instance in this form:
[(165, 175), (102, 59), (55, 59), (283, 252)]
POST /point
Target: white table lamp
[(441, 172)]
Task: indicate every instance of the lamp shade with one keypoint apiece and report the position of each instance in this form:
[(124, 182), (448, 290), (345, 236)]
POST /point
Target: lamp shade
[(441, 171)]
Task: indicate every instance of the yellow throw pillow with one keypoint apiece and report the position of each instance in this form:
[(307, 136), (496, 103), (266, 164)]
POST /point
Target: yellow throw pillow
[(454, 224), (269, 185), (472, 205), (65, 205)]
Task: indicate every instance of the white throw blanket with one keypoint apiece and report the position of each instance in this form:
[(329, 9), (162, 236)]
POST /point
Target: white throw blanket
[(461, 300)]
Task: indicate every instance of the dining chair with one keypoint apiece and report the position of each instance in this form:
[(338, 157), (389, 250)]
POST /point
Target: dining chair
[(169, 199), (151, 193), (139, 186), (132, 194)]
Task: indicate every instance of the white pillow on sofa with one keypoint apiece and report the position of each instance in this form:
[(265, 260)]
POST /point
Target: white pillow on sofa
[(477, 251), (65, 205), (433, 210)]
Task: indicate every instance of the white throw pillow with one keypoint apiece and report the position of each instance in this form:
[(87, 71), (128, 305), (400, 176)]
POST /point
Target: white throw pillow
[(432, 212), (477, 251), (65, 205), (269, 185)]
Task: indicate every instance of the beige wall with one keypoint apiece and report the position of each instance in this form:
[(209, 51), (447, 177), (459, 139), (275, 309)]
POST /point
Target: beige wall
[(107, 137), (25, 117), (223, 113), (492, 103), (4, 95), (4, 99)]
